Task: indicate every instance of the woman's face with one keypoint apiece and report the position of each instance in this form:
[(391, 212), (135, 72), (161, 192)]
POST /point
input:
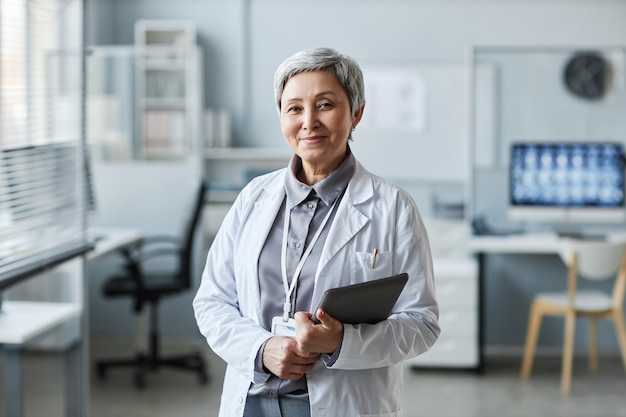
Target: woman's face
[(315, 119)]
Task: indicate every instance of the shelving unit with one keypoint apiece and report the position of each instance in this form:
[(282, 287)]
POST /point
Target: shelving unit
[(168, 89)]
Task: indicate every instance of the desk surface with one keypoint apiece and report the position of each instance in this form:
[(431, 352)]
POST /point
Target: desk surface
[(22, 320), (110, 239), (527, 243)]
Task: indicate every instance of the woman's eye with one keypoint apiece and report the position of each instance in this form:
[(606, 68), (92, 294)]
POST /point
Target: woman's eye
[(293, 109), (326, 105)]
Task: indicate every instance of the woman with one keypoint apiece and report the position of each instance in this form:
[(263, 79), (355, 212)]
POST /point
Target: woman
[(296, 232)]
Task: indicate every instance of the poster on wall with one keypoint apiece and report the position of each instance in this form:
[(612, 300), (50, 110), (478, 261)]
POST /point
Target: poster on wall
[(395, 101)]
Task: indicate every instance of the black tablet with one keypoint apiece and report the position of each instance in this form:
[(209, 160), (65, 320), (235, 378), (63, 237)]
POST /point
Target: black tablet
[(365, 302)]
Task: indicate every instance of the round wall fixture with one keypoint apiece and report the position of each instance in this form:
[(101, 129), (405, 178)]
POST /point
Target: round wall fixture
[(587, 75)]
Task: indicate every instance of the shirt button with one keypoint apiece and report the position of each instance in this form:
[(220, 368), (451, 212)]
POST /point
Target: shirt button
[(310, 206), (297, 245)]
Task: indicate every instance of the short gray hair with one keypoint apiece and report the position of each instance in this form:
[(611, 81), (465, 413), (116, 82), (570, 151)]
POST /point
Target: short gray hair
[(344, 68)]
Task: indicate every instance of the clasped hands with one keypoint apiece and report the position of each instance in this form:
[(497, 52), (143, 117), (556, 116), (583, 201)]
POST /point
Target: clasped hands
[(292, 357)]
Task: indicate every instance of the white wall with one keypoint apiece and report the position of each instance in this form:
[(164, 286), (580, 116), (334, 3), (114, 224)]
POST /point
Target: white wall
[(245, 40)]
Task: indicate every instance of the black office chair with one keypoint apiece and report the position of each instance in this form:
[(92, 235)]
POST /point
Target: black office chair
[(149, 288)]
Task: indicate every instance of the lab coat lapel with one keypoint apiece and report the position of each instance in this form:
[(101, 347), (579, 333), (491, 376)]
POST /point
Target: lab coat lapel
[(349, 219), (265, 211)]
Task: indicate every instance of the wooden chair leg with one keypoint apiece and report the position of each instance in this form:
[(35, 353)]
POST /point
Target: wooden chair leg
[(593, 344), (568, 353), (534, 325), (620, 328)]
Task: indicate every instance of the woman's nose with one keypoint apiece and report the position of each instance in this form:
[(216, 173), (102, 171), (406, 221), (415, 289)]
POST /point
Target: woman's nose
[(309, 120)]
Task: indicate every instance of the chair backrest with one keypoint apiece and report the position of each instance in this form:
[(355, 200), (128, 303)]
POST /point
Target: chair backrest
[(189, 232), (597, 260)]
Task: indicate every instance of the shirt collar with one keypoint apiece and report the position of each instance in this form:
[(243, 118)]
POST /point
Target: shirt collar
[(327, 189)]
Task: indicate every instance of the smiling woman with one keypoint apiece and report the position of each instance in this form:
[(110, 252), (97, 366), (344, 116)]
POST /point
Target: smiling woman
[(316, 119), (325, 217)]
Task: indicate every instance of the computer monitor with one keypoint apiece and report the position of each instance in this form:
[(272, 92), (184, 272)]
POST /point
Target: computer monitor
[(567, 182)]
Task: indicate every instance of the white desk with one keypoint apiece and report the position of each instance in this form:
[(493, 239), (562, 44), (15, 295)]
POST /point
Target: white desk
[(547, 243), (20, 321), (539, 243), (527, 243)]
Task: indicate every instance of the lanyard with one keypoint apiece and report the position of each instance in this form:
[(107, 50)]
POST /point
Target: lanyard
[(283, 257)]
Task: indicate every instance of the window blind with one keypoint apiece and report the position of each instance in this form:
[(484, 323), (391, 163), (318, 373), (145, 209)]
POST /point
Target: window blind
[(42, 181)]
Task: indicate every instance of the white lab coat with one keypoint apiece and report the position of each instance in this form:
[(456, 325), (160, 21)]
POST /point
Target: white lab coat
[(366, 378)]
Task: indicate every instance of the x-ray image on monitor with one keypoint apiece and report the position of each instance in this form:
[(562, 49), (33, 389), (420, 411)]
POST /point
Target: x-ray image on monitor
[(567, 181)]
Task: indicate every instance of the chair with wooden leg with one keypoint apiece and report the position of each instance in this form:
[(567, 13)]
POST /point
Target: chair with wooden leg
[(591, 260)]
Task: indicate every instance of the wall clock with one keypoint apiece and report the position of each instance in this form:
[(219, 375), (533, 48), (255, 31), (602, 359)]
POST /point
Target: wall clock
[(587, 75)]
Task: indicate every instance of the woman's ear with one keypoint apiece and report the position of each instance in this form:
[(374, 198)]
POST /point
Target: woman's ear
[(357, 116)]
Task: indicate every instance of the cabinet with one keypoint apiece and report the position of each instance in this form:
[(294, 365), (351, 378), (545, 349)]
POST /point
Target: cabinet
[(457, 286), (168, 89), (457, 295)]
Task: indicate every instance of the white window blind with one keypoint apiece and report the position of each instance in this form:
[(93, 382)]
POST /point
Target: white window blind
[(42, 198)]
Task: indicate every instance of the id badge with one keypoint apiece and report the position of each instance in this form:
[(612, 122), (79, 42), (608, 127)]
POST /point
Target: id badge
[(283, 328)]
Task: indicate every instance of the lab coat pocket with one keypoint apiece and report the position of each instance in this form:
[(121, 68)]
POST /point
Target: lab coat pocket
[(365, 266)]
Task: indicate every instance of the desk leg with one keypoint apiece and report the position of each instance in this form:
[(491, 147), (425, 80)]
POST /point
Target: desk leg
[(74, 384), (80, 355), (481, 311), (14, 395)]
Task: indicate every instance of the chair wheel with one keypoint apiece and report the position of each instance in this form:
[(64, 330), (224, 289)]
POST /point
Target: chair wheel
[(101, 371), (140, 380)]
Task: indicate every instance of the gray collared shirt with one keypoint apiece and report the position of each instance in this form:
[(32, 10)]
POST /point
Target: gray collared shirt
[(308, 207)]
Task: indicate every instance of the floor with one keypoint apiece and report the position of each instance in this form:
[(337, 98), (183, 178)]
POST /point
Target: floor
[(498, 392)]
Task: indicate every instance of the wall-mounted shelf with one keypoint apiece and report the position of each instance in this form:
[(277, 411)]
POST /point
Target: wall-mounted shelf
[(228, 170), (248, 154)]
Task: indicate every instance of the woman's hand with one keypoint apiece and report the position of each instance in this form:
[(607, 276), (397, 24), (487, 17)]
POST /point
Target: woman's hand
[(312, 338), (282, 358)]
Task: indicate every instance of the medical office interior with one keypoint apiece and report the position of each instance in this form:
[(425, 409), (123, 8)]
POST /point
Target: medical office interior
[(466, 99)]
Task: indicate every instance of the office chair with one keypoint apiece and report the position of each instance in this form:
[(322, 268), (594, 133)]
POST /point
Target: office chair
[(592, 260), (148, 288)]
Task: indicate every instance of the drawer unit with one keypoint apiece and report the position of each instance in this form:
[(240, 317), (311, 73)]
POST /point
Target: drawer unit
[(456, 282), (450, 352)]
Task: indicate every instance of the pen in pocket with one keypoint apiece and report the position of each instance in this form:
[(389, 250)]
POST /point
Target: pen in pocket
[(374, 255)]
